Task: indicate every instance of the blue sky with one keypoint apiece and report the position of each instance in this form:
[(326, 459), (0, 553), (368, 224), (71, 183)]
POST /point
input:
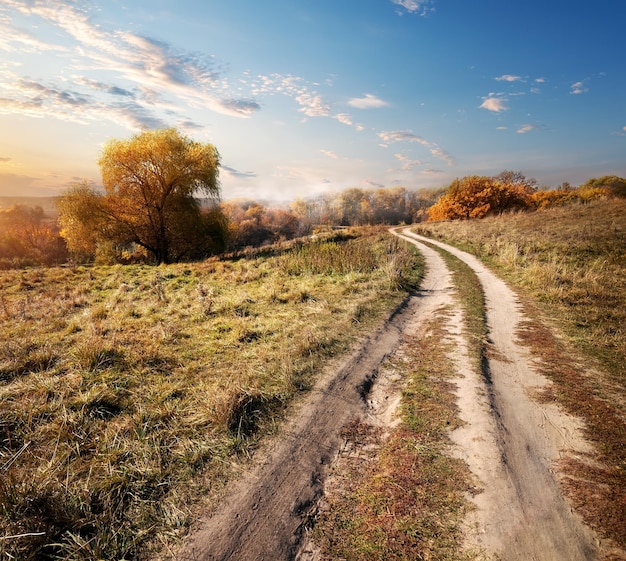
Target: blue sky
[(304, 97)]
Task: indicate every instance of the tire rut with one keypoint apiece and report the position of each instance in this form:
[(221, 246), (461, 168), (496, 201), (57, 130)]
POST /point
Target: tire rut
[(512, 442), (264, 514)]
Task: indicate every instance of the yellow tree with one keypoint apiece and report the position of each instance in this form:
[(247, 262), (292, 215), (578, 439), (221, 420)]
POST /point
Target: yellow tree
[(151, 182), (82, 218)]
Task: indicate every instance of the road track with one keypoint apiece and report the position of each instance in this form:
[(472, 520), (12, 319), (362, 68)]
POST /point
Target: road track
[(510, 441)]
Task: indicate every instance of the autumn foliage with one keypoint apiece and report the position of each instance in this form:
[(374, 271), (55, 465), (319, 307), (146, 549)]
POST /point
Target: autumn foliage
[(149, 202), (29, 237), (478, 196)]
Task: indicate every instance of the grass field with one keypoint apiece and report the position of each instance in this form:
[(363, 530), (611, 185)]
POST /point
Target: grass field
[(569, 267), (128, 392), (130, 395)]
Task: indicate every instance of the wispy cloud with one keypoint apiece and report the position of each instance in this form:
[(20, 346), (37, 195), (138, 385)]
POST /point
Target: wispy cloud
[(311, 102), (344, 118), (313, 105), (401, 136), (330, 154), (495, 103), (143, 69), (36, 99), (620, 132), (370, 101), (4, 159), (419, 7), (13, 39), (508, 78), (526, 128), (102, 87), (389, 137), (578, 88), (433, 172), (236, 173), (407, 163), (305, 94)]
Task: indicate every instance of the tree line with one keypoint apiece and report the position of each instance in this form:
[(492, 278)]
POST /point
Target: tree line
[(161, 203), (479, 196)]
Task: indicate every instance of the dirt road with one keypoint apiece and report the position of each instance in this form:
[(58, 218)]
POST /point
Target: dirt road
[(509, 440)]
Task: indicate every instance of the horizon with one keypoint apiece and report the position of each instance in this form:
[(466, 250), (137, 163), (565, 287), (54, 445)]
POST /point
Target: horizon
[(317, 97)]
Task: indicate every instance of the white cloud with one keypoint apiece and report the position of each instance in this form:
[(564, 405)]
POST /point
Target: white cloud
[(419, 7), (526, 128), (578, 88), (540, 80), (368, 102), (36, 99), (143, 69), (390, 137), (313, 105), (344, 118), (401, 136), (494, 103), (407, 163), (330, 154), (508, 78)]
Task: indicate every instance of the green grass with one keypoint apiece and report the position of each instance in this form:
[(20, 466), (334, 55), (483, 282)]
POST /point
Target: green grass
[(128, 392), (569, 266)]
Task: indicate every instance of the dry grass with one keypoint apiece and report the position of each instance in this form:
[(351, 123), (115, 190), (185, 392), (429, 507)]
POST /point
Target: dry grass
[(128, 392), (401, 496), (570, 265)]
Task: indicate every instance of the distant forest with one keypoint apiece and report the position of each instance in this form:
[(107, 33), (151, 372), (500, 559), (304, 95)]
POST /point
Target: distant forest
[(31, 234)]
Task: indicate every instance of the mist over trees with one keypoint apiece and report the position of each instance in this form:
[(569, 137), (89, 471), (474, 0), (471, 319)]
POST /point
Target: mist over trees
[(29, 237)]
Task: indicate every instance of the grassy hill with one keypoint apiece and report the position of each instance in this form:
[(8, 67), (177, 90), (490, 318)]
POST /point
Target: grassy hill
[(127, 392)]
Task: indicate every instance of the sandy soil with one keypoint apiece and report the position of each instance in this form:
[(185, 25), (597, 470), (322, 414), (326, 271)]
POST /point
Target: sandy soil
[(509, 440)]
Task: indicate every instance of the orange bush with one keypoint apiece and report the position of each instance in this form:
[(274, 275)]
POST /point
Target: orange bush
[(477, 196)]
